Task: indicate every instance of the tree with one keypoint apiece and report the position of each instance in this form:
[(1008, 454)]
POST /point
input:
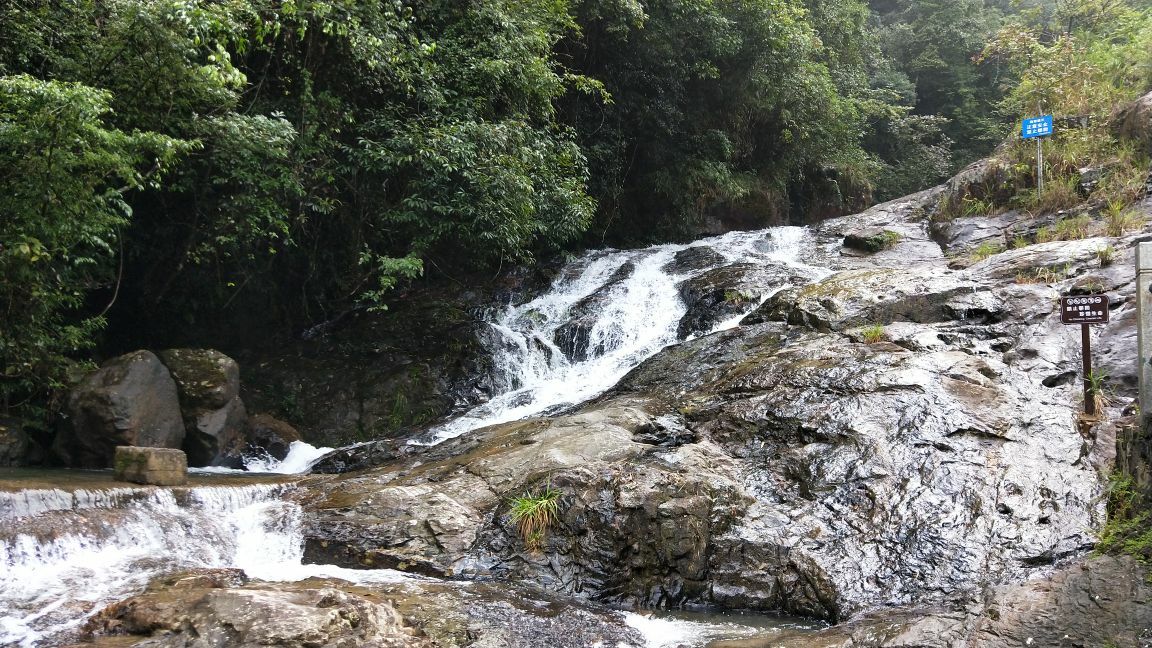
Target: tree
[(64, 177)]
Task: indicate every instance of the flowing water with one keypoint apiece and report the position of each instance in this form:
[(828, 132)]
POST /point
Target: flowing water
[(68, 550), (64, 554), (637, 317)]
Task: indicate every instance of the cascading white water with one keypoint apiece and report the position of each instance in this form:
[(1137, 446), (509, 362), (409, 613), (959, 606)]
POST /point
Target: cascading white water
[(636, 317), (298, 461), (64, 555)]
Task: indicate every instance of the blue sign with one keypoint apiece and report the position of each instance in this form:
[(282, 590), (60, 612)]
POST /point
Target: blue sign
[(1036, 126)]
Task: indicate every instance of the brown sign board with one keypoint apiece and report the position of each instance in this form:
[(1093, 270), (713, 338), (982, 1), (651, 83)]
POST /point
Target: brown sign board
[(1085, 309)]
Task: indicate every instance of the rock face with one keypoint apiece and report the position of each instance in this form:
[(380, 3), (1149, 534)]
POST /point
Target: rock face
[(1099, 602), (130, 400), (155, 466), (786, 464), (215, 419), (219, 608)]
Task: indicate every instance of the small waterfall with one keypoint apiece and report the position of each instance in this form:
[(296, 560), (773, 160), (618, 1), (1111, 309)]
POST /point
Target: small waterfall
[(629, 305), (298, 461), (65, 555)]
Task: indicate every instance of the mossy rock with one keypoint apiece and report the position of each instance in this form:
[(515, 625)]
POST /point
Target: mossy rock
[(871, 240)]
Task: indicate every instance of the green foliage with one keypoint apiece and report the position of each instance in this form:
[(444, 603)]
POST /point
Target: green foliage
[(1073, 228), (985, 250), (1106, 255), (736, 297), (533, 514), (1129, 526), (64, 176), (1096, 380), (873, 333), (1121, 219), (762, 113), (930, 45)]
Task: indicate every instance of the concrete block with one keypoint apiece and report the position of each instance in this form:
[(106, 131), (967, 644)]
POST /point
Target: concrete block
[(155, 466)]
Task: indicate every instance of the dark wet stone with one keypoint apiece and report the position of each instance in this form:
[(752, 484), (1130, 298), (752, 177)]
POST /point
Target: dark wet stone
[(699, 257)]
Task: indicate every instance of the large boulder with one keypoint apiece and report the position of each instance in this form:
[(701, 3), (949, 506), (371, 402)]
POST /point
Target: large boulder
[(1134, 122), (303, 618), (131, 400), (270, 435), (215, 418)]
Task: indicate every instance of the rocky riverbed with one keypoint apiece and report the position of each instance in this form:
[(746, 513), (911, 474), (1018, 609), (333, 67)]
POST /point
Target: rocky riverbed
[(793, 463), (890, 444)]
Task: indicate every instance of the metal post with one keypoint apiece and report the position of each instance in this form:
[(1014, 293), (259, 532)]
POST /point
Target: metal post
[(1086, 345), (1039, 169), (1144, 328)]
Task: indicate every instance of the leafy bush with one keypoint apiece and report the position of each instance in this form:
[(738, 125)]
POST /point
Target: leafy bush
[(64, 176)]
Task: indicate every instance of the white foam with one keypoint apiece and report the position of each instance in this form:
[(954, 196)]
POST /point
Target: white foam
[(299, 460), (667, 632), (51, 586)]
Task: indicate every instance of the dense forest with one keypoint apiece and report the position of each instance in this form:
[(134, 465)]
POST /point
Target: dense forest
[(174, 168)]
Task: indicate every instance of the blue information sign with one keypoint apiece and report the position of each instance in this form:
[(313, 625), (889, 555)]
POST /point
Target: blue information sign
[(1036, 126)]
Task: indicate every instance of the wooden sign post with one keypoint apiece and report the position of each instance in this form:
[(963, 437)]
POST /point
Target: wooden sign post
[(1085, 310)]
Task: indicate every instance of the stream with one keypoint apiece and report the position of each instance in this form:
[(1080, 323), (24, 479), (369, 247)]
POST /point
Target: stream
[(71, 543)]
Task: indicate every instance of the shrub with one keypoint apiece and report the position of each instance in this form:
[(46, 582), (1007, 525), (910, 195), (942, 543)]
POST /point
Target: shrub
[(533, 514), (1073, 228), (1121, 218)]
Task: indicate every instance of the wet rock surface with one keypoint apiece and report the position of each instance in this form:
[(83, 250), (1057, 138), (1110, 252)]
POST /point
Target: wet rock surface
[(787, 464), (728, 291), (1101, 601), (222, 608)]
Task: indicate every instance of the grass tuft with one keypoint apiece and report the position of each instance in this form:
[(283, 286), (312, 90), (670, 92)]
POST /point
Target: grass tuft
[(534, 514)]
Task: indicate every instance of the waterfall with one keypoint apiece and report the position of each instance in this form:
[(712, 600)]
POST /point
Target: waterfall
[(65, 555), (631, 304)]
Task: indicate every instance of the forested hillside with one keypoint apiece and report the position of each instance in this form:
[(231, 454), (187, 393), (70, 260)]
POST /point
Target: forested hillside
[(178, 170)]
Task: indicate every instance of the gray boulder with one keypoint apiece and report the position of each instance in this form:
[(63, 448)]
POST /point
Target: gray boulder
[(130, 401), (1134, 122), (271, 435), (214, 416)]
